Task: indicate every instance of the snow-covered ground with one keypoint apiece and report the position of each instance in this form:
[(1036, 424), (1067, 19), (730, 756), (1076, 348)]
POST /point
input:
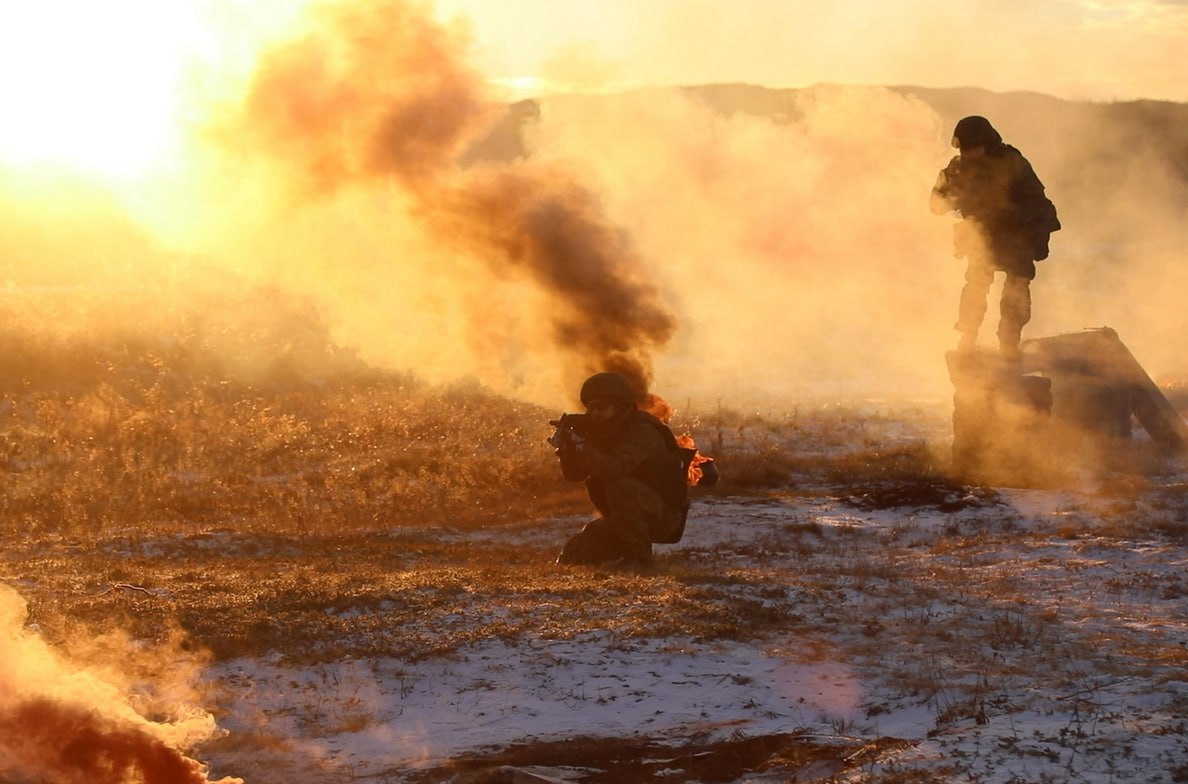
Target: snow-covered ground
[(1010, 636)]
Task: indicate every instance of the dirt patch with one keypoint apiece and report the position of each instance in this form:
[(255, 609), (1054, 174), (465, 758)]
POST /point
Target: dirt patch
[(921, 492), (594, 760)]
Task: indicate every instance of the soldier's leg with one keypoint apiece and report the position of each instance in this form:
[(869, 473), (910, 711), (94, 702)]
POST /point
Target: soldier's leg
[(1014, 313), (971, 309), (634, 509), (596, 543)]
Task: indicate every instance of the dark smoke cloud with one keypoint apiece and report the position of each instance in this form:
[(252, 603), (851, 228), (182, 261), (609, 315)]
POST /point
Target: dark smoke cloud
[(376, 92), (553, 228)]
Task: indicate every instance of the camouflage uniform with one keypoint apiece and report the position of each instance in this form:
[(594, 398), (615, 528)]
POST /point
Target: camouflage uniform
[(1006, 223), (634, 476)]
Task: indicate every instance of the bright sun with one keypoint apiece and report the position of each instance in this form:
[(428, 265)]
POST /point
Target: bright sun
[(91, 85), (101, 86)]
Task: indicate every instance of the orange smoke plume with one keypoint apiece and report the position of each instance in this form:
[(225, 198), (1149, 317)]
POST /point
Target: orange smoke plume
[(660, 408), (379, 93), (375, 89), (657, 407), (696, 465)]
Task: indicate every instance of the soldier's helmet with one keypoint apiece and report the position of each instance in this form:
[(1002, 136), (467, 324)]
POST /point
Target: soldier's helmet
[(610, 387), (975, 131)]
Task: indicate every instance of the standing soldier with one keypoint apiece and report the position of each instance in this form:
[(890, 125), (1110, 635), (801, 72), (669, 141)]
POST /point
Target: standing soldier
[(1006, 221)]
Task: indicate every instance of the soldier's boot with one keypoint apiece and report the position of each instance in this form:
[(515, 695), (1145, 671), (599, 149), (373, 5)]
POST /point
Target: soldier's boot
[(640, 554), (594, 544)]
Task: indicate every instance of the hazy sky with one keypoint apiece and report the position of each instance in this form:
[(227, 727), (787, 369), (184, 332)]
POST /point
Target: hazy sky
[(102, 84), (1099, 49)]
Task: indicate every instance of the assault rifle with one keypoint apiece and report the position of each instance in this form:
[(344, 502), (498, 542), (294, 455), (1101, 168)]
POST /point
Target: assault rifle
[(571, 429)]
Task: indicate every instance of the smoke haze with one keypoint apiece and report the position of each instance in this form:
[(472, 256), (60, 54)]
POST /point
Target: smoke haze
[(378, 94), (710, 253), (64, 721)]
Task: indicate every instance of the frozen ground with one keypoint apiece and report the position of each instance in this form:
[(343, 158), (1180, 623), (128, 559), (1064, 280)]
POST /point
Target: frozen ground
[(1010, 636)]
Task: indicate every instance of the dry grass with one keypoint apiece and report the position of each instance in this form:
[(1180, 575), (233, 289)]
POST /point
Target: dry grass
[(151, 484), (306, 598), (110, 432), (129, 471), (152, 491)]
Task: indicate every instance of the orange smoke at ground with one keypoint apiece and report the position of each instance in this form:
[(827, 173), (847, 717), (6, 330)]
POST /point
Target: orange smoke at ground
[(62, 722), (57, 742)]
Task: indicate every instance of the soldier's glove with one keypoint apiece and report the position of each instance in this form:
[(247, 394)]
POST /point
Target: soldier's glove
[(566, 439), (576, 442)]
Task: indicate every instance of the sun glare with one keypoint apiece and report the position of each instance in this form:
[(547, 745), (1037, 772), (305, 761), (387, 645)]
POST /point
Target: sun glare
[(520, 87), (92, 86)]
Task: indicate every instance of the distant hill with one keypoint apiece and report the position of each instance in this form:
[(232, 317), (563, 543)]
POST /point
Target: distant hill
[(1079, 147)]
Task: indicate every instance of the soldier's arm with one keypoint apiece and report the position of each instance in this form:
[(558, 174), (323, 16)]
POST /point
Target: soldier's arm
[(573, 464), (637, 445), (1032, 205), (1027, 186), (943, 199)]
